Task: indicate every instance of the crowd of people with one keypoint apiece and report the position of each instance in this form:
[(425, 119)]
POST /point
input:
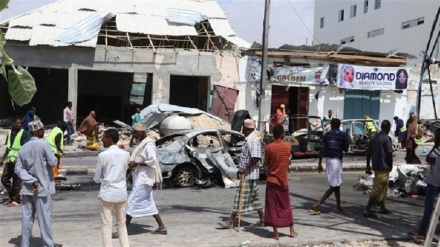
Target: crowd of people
[(31, 165)]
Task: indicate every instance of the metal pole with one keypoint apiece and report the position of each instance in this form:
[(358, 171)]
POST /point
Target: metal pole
[(261, 122)]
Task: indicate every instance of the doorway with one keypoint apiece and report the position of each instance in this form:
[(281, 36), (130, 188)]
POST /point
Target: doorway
[(189, 91), (296, 100)]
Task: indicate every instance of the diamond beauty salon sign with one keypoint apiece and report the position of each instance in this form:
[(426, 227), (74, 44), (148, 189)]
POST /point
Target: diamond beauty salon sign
[(372, 78)]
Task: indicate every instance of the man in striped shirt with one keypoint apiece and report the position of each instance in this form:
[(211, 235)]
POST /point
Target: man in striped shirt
[(334, 144)]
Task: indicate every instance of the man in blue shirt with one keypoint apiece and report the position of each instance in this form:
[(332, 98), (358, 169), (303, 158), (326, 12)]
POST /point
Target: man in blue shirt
[(334, 144)]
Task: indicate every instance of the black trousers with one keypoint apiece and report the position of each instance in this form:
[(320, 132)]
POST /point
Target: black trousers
[(13, 187)]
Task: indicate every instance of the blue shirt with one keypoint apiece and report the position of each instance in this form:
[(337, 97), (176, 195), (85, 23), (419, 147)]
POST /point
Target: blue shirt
[(335, 143)]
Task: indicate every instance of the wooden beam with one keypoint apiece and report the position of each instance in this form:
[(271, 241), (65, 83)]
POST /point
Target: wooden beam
[(192, 43), (151, 43), (129, 41)]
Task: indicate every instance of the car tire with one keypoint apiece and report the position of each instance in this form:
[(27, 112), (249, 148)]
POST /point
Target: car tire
[(185, 176)]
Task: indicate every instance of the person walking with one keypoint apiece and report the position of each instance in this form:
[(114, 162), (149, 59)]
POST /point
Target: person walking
[(146, 172), (70, 122), (380, 153), (278, 211), (249, 165), (334, 144), (432, 180), (15, 139), (56, 141), (400, 129), (136, 119), (90, 128), (110, 173), (34, 167), (413, 140)]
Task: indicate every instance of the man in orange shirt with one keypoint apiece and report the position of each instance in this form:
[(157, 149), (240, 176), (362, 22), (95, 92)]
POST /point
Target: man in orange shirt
[(280, 114), (278, 211)]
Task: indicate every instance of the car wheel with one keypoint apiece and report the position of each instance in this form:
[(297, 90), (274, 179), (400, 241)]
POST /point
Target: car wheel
[(185, 177)]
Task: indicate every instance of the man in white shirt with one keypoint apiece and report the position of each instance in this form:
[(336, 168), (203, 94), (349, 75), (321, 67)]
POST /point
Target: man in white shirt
[(110, 172), (68, 119), (146, 171)]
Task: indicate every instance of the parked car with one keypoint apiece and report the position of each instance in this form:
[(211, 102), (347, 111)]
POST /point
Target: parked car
[(358, 133), (200, 156)]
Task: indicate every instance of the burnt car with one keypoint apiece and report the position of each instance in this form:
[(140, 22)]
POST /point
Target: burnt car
[(200, 157), (358, 132)]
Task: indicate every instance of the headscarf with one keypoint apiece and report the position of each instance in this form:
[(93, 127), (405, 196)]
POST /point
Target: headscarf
[(414, 127), (29, 117), (88, 125)]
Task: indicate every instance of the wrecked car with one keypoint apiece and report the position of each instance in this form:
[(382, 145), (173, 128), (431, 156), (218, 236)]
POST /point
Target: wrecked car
[(359, 132), (200, 157)]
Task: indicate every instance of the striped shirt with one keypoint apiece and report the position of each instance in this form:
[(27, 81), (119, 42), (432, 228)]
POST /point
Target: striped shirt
[(277, 158), (335, 143), (251, 149), (433, 175)]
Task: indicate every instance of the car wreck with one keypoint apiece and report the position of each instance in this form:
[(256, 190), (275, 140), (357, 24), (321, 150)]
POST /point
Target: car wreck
[(202, 157), (359, 131)]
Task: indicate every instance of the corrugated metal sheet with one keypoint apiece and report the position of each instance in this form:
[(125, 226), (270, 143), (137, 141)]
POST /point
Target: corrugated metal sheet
[(185, 17), (134, 16), (18, 34), (86, 29), (221, 27), (42, 35), (153, 25), (239, 42)]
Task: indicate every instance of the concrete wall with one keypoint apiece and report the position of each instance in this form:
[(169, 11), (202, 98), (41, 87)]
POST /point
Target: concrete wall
[(221, 67), (390, 16)]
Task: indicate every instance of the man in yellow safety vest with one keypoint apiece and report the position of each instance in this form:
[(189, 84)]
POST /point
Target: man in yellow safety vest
[(56, 141), (16, 138)]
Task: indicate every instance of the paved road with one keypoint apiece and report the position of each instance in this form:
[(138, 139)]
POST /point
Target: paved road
[(191, 216)]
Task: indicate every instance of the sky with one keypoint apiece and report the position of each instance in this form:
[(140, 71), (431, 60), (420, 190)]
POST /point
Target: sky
[(291, 21)]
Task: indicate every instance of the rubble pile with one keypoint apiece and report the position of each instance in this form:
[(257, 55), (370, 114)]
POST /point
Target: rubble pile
[(404, 180), (203, 121)]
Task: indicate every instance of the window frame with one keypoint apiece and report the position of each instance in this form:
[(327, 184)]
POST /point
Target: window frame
[(321, 22), (353, 10), (341, 15)]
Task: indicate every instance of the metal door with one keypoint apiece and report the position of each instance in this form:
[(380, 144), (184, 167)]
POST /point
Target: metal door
[(357, 103), (223, 102)]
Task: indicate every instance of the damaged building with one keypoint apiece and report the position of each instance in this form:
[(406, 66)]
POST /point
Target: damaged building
[(112, 56)]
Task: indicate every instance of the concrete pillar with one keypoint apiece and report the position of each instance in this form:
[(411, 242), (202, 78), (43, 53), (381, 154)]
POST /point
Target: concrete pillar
[(161, 88), (72, 89)]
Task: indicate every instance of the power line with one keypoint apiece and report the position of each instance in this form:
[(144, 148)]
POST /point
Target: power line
[(310, 32)]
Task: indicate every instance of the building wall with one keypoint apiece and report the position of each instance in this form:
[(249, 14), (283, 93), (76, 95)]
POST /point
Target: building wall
[(221, 67), (389, 16)]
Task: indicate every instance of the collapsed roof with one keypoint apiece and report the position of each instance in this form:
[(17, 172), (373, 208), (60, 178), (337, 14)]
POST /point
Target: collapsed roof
[(184, 24)]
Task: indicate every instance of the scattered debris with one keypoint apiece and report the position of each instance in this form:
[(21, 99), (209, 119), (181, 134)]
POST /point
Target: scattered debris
[(404, 181)]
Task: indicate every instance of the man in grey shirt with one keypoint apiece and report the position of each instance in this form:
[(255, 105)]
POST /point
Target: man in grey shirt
[(380, 151), (34, 167)]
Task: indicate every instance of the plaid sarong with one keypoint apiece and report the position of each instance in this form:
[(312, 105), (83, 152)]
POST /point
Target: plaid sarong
[(380, 187), (251, 197), (277, 211)]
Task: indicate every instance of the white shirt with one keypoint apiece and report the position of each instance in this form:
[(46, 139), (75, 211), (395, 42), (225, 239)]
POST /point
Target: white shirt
[(67, 115), (146, 174), (110, 172)]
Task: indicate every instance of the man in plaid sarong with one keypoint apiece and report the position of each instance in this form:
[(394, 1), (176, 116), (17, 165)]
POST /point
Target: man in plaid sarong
[(249, 165)]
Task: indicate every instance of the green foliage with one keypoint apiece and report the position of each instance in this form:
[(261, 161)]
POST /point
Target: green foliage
[(21, 84), (3, 4)]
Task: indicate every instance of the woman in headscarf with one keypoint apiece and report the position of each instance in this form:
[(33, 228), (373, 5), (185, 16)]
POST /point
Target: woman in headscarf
[(413, 139), (90, 128), (29, 117)]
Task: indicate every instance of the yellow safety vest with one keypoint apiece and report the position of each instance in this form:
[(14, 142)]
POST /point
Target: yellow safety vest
[(403, 129), (417, 140), (15, 147), (51, 139), (370, 127)]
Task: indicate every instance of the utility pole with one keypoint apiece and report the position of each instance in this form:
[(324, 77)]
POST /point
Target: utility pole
[(261, 122)]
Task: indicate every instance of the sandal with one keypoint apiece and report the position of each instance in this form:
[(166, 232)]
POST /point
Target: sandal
[(159, 232), (13, 204), (258, 224), (314, 212), (225, 225), (295, 234), (416, 234), (369, 215)]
